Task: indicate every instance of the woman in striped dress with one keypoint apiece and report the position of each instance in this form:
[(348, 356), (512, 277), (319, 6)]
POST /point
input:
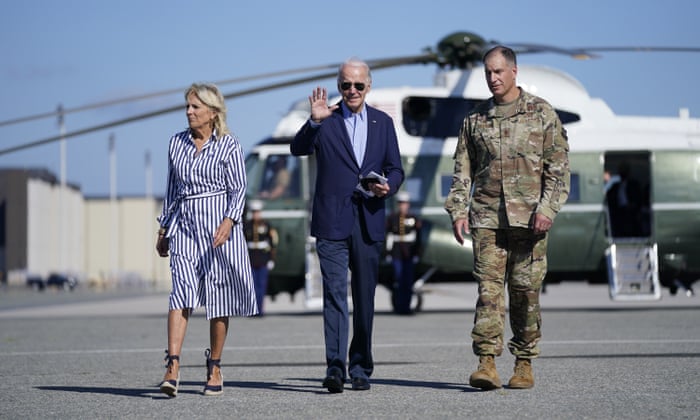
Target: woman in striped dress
[(201, 230)]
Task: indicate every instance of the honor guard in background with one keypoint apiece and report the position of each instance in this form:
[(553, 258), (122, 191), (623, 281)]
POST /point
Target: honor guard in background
[(404, 248), (262, 243)]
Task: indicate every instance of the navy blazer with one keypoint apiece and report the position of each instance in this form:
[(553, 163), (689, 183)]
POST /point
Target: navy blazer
[(338, 172)]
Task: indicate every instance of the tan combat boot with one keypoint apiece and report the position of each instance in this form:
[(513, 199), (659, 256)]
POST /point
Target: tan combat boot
[(522, 375), (486, 376)]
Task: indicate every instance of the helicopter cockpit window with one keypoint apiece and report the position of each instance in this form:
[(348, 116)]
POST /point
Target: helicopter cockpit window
[(567, 117), (435, 117), (443, 117), (280, 178)]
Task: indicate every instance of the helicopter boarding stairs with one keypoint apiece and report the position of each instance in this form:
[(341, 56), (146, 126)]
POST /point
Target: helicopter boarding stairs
[(633, 269)]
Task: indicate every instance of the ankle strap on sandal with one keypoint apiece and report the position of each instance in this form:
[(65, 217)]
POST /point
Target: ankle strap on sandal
[(169, 358), (211, 362)]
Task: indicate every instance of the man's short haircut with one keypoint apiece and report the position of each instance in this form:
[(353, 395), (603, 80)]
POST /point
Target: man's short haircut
[(506, 52), (355, 62)]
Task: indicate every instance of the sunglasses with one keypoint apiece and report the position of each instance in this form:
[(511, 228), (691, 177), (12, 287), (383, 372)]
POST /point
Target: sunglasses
[(347, 85)]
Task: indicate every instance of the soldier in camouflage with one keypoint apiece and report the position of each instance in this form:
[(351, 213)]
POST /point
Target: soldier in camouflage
[(511, 178)]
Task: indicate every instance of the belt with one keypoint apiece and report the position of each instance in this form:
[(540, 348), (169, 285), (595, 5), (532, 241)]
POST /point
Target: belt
[(204, 195), (406, 237), (263, 245), (174, 210)]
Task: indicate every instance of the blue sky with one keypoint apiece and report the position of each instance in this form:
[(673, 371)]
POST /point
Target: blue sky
[(78, 52)]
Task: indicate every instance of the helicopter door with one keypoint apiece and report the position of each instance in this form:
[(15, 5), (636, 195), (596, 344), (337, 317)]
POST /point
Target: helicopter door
[(632, 256)]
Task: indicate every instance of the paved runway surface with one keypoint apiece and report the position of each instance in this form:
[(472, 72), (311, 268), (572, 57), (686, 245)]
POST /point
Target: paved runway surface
[(99, 355)]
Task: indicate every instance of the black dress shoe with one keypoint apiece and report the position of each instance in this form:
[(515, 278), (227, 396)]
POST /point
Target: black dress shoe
[(334, 382), (360, 384)]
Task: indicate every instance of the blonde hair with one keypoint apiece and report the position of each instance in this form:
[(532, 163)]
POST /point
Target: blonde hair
[(210, 96)]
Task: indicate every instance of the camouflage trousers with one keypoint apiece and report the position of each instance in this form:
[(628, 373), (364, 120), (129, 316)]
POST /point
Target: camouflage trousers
[(517, 258)]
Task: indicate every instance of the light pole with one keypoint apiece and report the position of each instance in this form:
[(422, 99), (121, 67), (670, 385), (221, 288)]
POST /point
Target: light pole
[(62, 199), (151, 225), (114, 216)]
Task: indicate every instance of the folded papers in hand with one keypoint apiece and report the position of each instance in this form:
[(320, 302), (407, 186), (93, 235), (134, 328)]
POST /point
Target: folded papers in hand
[(366, 182)]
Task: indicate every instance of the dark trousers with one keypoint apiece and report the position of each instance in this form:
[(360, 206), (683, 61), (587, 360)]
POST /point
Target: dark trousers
[(361, 256), (404, 274), (260, 276)]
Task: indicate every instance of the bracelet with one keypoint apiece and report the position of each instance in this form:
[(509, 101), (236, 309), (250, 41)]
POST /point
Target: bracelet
[(162, 231)]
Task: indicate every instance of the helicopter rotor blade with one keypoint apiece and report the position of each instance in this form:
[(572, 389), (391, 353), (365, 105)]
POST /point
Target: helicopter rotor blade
[(462, 50), (382, 63), (578, 53), (156, 94), (583, 53), (156, 113), (465, 49), (638, 49), (375, 64)]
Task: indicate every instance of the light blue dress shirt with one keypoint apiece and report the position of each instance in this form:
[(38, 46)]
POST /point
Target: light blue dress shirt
[(356, 124)]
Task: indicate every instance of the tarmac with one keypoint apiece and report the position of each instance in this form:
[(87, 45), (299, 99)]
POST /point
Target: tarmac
[(85, 354)]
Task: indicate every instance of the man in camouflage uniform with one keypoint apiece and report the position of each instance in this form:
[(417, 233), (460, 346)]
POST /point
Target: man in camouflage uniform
[(513, 153)]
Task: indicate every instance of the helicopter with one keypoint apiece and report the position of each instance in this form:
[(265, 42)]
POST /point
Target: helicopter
[(662, 154)]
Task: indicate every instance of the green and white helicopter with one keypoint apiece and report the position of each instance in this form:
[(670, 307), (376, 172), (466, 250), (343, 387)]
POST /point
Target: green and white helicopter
[(662, 154)]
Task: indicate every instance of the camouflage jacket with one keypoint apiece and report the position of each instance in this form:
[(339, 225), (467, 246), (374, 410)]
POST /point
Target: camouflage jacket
[(518, 165)]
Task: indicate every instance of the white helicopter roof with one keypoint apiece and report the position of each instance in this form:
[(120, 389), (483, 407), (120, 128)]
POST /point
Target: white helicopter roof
[(598, 128), (555, 86)]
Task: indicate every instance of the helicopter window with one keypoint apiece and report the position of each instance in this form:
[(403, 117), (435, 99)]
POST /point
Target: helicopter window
[(567, 117), (443, 117), (253, 166), (435, 117), (574, 190), (280, 178)]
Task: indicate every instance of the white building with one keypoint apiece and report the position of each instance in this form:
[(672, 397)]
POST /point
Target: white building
[(47, 229)]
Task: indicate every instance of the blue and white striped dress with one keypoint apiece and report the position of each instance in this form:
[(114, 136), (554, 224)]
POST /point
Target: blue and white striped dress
[(201, 190)]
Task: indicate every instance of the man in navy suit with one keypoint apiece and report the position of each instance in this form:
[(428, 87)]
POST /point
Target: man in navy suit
[(350, 140)]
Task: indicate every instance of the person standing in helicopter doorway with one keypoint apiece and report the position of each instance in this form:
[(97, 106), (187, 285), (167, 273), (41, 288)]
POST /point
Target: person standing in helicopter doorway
[(403, 244), (262, 244), (512, 153)]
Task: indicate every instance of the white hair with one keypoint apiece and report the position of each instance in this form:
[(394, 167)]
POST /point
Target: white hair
[(355, 62)]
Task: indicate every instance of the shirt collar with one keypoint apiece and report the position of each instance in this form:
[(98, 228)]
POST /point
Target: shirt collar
[(347, 113), (214, 135)]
